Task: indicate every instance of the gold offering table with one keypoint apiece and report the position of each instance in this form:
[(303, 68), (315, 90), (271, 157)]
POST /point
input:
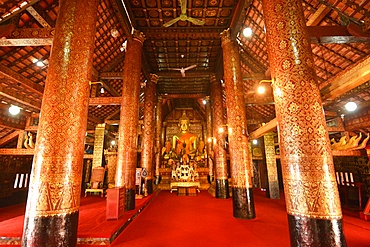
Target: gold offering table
[(185, 188)]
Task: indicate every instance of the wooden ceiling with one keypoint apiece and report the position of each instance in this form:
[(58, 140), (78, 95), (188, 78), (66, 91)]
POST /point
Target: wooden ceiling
[(339, 33)]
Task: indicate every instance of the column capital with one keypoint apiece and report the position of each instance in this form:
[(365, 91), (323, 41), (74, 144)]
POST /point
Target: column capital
[(225, 36), (138, 36)]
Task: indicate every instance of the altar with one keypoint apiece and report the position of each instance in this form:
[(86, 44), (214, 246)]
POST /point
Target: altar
[(185, 188)]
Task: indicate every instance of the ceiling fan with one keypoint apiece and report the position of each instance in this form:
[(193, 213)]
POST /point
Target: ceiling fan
[(182, 70), (183, 17)]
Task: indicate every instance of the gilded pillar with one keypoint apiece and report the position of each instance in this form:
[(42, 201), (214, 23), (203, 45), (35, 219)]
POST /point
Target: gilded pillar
[(219, 151), (98, 145), (312, 199), (272, 175), (241, 173), (147, 151), (51, 217), (127, 142), (209, 135), (158, 137)]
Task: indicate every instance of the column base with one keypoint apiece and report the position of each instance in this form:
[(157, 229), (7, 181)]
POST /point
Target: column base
[(130, 199), (315, 232), (56, 230), (222, 188), (157, 180), (149, 186), (243, 204)]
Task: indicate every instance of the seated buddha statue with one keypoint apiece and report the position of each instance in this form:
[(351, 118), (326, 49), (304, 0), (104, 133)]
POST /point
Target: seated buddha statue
[(184, 144)]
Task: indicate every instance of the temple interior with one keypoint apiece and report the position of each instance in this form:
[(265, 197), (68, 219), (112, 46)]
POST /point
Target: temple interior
[(186, 97)]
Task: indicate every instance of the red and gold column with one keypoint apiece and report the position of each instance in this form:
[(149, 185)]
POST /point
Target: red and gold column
[(129, 116), (241, 173), (222, 182), (158, 138), (312, 199), (53, 203), (209, 135), (147, 151), (272, 174)]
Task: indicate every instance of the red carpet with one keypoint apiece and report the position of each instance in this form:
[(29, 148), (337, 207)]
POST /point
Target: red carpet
[(171, 220), (92, 225)]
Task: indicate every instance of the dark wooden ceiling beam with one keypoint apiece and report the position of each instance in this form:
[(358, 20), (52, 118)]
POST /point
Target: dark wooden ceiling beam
[(40, 16), (11, 122), (104, 101), (183, 96), (238, 17), (318, 16), (111, 75), (10, 137), (174, 33), (30, 3), (29, 37), (347, 80), (21, 80), (124, 20), (20, 98), (177, 74)]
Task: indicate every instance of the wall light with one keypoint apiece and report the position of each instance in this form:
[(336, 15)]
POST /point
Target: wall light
[(255, 142), (261, 89), (14, 110)]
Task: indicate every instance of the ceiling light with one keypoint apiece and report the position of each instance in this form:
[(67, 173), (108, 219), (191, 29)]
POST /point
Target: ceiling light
[(221, 130), (113, 142), (40, 63), (247, 32), (351, 106), (261, 90), (102, 90), (255, 142), (114, 33), (14, 110), (204, 102)]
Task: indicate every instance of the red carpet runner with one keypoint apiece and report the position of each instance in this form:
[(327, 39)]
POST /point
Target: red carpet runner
[(171, 220)]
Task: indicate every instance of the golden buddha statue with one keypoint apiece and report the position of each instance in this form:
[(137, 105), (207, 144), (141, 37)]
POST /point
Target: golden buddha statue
[(184, 144)]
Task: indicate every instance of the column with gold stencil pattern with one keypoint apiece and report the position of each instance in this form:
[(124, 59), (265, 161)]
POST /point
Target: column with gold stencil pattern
[(272, 174), (220, 155), (147, 151), (240, 162), (312, 199), (53, 203), (129, 119), (158, 135)]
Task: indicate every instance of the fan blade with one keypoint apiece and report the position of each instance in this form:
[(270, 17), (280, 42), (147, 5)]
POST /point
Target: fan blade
[(190, 67), (195, 21), (174, 69), (171, 22), (183, 6)]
